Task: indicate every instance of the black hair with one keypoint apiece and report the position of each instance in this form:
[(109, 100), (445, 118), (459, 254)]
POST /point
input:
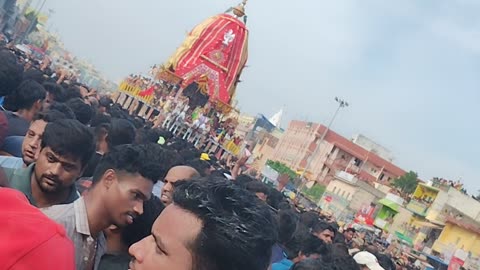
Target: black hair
[(322, 226), (120, 131), (105, 102), (142, 226), (11, 73), (274, 198), (257, 187), (34, 74), (142, 159), (83, 112), (234, 224), (351, 230), (56, 91), (72, 92), (288, 222), (71, 138), (99, 119), (28, 92), (61, 107), (312, 264), (49, 116), (200, 165), (309, 219), (305, 242), (242, 180), (385, 261)]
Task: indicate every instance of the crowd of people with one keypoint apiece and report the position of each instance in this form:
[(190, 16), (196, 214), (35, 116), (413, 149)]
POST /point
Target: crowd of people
[(86, 185)]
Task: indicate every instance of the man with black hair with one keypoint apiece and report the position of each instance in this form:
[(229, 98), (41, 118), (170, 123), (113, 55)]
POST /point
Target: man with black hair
[(259, 189), (10, 77), (24, 104), (122, 182), (120, 239), (55, 93), (30, 147), (324, 231), (117, 132), (211, 224), (61, 107), (83, 112), (50, 180), (303, 245)]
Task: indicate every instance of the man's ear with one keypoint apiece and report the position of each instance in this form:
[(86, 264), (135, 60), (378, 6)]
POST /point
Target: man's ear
[(109, 177)]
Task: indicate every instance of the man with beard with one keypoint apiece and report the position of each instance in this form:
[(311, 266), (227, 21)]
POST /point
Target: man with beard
[(66, 147), (175, 174), (122, 182), (30, 147)]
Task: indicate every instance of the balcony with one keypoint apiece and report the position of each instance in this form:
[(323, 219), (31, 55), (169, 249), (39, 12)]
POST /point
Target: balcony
[(417, 207)]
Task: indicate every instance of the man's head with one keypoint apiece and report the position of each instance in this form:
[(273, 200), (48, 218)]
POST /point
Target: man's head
[(120, 131), (33, 138), (55, 93), (349, 234), (367, 261), (29, 96), (125, 177), (259, 189), (83, 112), (66, 147), (324, 231), (11, 73), (212, 224), (175, 174)]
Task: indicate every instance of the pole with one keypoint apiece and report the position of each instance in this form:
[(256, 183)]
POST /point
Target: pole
[(341, 104)]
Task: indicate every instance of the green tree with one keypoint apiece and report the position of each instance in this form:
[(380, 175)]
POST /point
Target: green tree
[(314, 193), (407, 183), (281, 168)]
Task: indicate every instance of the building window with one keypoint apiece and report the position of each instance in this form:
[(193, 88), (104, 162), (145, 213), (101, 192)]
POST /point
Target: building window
[(357, 162), (343, 193), (382, 175), (348, 195), (334, 188)]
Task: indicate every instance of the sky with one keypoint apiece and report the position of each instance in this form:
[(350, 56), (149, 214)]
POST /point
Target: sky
[(409, 69)]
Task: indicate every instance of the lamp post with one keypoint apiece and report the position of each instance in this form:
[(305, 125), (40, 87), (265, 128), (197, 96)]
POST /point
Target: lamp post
[(341, 104)]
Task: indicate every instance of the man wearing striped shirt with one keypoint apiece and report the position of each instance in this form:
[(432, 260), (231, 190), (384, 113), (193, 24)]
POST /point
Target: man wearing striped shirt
[(121, 183)]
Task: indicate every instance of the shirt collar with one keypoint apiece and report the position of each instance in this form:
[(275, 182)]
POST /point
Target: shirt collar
[(81, 218)]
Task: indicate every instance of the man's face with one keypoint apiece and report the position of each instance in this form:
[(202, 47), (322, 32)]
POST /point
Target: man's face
[(326, 236), (126, 195), (168, 245), (55, 173), (32, 140), (349, 235), (49, 99), (262, 196), (174, 174)]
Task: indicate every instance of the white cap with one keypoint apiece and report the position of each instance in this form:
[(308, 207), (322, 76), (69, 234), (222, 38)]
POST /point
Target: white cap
[(367, 259)]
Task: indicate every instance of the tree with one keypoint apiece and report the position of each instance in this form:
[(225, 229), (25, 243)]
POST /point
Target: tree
[(407, 183), (281, 168), (314, 193)]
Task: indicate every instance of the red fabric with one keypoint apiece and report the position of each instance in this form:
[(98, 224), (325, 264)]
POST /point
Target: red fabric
[(147, 92), (210, 46), (29, 239)]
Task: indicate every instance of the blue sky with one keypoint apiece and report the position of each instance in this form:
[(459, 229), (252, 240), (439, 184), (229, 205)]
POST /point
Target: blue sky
[(409, 69)]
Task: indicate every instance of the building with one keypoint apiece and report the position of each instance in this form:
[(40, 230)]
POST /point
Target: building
[(335, 153), (444, 219), (345, 196), (389, 207)]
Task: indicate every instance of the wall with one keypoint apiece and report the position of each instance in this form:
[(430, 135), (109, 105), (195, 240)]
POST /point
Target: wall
[(459, 238), (401, 220)]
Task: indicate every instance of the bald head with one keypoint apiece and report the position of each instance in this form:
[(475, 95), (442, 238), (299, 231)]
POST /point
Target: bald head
[(175, 174)]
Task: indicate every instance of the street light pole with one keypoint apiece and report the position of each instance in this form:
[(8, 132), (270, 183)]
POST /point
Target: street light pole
[(341, 104)]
